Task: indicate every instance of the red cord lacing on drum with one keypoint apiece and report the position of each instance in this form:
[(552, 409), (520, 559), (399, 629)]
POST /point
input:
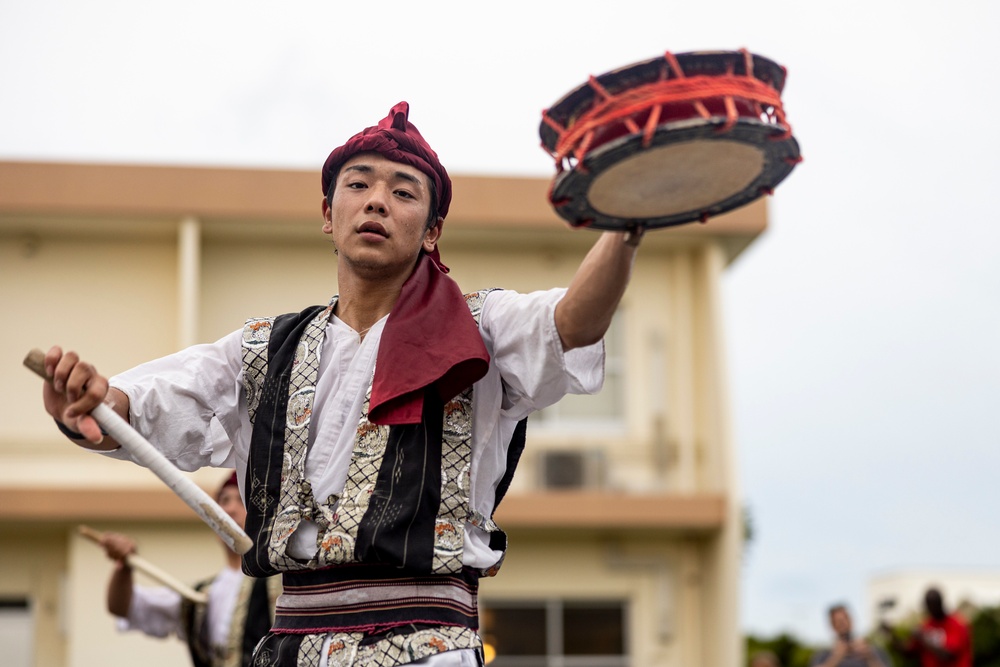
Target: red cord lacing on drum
[(623, 107)]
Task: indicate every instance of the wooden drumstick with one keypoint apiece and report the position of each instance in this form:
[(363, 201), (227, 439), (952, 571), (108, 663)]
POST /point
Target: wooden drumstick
[(137, 562), (148, 456)]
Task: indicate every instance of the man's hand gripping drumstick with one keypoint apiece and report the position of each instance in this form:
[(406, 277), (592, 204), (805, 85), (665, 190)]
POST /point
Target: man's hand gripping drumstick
[(79, 398), (121, 549)]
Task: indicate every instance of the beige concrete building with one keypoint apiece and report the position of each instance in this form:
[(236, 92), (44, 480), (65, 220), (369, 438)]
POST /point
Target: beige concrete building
[(625, 516)]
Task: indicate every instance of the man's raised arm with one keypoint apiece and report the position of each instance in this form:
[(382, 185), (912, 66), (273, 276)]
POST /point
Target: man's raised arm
[(584, 314)]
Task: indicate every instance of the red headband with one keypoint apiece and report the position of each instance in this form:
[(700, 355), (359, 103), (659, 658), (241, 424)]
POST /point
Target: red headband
[(229, 481), (397, 139)]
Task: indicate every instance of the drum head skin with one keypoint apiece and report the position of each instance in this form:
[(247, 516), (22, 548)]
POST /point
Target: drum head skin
[(689, 172), (693, 166)]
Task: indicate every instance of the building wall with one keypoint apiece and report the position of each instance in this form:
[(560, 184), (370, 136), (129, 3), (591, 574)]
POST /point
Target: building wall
[(123, 279), (33, 568)]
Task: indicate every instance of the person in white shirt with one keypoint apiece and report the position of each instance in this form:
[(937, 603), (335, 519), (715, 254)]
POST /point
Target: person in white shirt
[(219, 633), (370, 486)]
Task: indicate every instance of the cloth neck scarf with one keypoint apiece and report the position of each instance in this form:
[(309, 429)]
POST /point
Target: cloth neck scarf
[(430, 341)]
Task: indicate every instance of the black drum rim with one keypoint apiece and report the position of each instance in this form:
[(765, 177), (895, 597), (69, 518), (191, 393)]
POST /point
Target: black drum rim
[(581, 99), (570, 188)]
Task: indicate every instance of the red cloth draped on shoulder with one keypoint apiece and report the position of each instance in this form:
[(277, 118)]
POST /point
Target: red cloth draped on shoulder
[(430, 339)]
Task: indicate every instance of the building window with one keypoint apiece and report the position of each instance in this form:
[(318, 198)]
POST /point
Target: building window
[(16, 632), (554, 633), (607, 407)]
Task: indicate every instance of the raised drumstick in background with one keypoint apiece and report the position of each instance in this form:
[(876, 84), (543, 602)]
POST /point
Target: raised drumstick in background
[(137, 562)]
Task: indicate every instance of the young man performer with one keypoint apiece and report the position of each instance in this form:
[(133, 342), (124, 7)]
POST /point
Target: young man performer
[(374, 436), (220, 633)]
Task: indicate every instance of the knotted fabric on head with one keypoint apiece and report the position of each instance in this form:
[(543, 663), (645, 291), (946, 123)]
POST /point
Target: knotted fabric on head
[(430, 340), (396, 138)]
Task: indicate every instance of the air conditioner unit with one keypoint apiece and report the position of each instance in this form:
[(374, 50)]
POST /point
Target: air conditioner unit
[(572, 469)]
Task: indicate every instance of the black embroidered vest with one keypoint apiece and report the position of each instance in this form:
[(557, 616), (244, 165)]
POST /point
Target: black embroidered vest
[(406, 499), (253, 615)]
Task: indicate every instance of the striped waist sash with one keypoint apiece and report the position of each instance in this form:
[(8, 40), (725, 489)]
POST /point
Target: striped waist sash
[(364, 598)]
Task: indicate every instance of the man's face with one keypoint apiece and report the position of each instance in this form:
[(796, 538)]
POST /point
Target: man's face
[(840, 621), (934, 604), (377, 217), (231, 503)]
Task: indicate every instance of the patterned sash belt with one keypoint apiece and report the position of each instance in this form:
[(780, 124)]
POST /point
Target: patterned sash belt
[(366, 598)]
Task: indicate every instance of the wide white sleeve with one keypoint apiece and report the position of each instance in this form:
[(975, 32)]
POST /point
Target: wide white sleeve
[(188, 404), (520, 332), (153, 611)]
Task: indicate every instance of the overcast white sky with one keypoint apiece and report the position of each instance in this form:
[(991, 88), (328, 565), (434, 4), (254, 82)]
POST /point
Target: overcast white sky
[(862, 326)]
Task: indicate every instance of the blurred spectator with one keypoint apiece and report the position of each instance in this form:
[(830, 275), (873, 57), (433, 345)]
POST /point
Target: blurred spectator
[(942, 640), (847, 650)]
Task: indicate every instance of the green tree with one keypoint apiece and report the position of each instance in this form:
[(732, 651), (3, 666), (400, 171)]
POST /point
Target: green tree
[(902, 631), (985, 625), (789, 650)]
